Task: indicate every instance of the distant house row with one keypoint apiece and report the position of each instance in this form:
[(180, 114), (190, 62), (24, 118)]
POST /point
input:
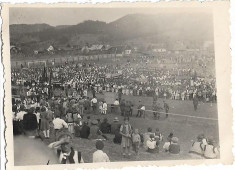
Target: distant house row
[(121, 50)]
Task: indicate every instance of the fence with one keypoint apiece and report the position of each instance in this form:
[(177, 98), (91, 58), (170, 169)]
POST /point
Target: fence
[(61, 59)]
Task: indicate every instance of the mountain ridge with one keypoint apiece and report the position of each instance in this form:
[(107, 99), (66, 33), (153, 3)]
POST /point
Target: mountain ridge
[(162, 27)]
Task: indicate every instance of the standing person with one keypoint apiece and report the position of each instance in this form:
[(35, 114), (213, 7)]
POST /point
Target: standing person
[(136, 141), (93, 91), (45, 123), (50, 117), (87, 105), (94, 104), (126, 131), (70, 122), (101, 107), (128, 109), (105, 108), (99, 155), (38, 115), (122, 107), (195, 102), (19, 119), (30, 123), (141, 110), (116, 106), (78, 125), (166, 108), (85, 92), (156, 110), (119, 95), (81, 106)]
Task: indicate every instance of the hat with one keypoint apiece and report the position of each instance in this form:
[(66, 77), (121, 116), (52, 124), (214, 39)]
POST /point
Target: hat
[(126, 118), (63, 133), (22, 107), (31, 110), (94, 122), (99, 145), (200, 137), (174, 139), (43, 109), (210, 141), (116, 119), (149, 129), (151, 136)]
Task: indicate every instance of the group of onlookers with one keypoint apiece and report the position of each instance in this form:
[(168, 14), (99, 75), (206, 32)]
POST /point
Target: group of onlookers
[(27, 121)]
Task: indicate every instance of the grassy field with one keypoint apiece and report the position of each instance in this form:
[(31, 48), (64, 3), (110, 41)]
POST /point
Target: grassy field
[(186, 129)]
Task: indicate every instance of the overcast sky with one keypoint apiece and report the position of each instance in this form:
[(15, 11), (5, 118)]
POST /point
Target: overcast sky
[(71, 16)]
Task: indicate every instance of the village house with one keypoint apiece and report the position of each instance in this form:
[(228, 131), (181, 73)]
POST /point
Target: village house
[(43, 49), (120, 50), (97, 47)]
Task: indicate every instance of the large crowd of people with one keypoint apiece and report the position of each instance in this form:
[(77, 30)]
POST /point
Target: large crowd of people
[(131, 78), (53, 99)]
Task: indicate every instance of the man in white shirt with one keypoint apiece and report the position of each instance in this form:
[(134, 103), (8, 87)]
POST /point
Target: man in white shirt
[(141, 110), (59, 123), (116, 106), (116, 102), (94, 104), (20, 115)]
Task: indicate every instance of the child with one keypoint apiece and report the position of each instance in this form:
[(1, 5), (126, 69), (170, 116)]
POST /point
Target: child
[(152, 145), (166, 108), (146, 136), (70, 122), (158, 135), (101, 107), (136, 141), (126, 131), (174, 147), (99, 155), (167, 144), (105, 108), (77, 125), (89, 120)]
